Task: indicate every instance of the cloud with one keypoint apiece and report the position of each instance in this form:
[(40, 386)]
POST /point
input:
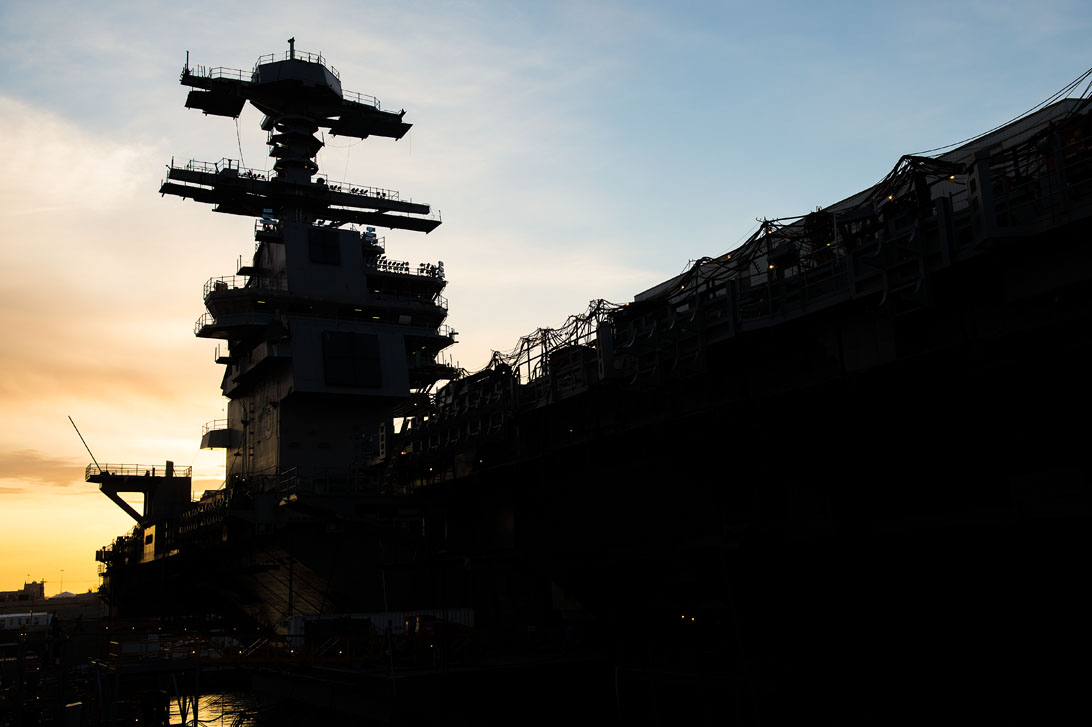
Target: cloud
[(73, 171), (35, 469)]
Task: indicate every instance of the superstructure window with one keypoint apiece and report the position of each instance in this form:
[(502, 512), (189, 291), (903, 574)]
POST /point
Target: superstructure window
[(323, 247), (351, 359)]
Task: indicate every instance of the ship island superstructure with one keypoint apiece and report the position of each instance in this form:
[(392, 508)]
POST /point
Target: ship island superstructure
[(323, 335)]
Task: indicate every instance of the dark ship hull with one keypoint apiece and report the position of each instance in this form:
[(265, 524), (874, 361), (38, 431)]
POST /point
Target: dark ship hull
[(836, 475)]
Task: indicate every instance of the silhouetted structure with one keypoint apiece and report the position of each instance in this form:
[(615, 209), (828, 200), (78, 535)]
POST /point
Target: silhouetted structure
[(31, 591), (324, 335), (834, 475)]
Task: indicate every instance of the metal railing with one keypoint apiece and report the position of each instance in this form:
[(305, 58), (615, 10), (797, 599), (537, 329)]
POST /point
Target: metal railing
[(225, 283), (197, 165), (214, 425), (224, 166), (361, 98), (133, 470), (437, 299), (297, 55), (363, 189), (219, 72), (205, 319)]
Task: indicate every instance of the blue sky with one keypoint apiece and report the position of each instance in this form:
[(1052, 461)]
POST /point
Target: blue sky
[(576, 150)]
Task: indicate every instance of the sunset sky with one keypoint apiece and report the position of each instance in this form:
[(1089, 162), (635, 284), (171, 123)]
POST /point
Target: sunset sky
[(576, 150)]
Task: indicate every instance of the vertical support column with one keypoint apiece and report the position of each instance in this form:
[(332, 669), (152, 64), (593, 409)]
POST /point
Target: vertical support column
[(1059, 175), (982, 202), (732, 306), (604, 336), (944, 230)]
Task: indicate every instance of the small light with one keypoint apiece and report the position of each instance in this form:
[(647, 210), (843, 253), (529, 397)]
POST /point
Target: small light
[(357, 310), (951, 178), (891, 196), (771, 266), (261, 302), (682, 287), (375, 318), (683, 617), (691, 618)]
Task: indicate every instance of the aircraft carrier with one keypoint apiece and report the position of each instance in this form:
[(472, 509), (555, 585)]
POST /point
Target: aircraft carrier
[(837, 474)]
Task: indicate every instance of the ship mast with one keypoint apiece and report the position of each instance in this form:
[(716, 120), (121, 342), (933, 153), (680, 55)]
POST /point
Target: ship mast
[(325, 335)]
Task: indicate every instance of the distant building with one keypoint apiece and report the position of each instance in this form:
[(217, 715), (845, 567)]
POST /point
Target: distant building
[(33, 591)]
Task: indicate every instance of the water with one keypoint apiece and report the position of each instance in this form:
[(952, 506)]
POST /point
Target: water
[(227, 709), (246, 708)]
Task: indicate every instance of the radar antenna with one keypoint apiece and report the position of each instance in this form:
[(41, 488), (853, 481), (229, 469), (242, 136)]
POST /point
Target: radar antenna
[(84, 443)]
